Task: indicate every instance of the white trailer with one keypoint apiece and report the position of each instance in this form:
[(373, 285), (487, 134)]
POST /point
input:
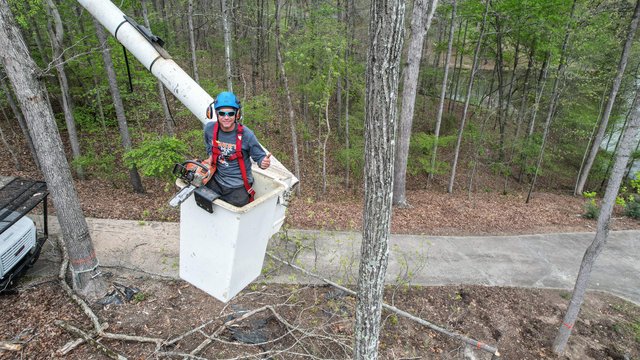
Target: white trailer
[(220, 252)]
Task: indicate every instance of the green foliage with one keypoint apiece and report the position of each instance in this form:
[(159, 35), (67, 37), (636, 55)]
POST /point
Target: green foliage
[(101, 166), (592, 211), (421, 150), (156, 157)]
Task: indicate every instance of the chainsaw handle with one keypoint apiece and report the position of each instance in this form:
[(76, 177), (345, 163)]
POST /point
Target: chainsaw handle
[(197, 164)]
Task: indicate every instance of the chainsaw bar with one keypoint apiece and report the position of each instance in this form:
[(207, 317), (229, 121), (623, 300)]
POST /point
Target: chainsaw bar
[(182, 195)]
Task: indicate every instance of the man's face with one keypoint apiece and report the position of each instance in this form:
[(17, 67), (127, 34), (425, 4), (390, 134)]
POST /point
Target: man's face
[(226, 118)]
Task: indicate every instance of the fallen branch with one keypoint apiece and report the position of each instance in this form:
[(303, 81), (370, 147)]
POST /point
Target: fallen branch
[(89, 339), (5, 345), (99, 329), (477, 344)]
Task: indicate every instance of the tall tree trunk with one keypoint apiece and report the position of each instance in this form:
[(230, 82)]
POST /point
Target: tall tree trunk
[(192, 41), (627, 143), (474, 69), (226, 13), (386, 35), (591, 136), (26, 78), (134, 177), (633, 26), (443, 91), (421, 21), (292, 115), (554, 99), (56, 34), (502, 119), (18, 114), (457, 70), (168, 119), (541, 83)]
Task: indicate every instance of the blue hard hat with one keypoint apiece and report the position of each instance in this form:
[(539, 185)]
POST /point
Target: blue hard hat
[(227, 99)]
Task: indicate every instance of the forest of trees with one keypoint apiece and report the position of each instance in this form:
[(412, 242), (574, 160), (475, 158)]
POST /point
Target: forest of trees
[(528, 87)]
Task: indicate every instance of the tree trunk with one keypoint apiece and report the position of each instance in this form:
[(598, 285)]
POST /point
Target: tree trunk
[(386, 35), (554, 100), (474, 69), (591, 136), (453, 99), (134, 177), (192, 41), (443, 91), (542, 81), (421, 21), (168, 119), (18, 114), (227, 43), (56, 34), (633, 26), (502, 119), (26, 78), (292, 115), (602, 232)]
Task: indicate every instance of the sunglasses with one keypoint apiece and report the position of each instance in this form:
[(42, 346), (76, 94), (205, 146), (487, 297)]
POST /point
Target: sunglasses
[(227, 113)]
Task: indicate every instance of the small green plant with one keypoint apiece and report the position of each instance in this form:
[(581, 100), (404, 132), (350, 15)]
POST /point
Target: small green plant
[(592, 211), (635, 328), (565, 295), (139, 297)]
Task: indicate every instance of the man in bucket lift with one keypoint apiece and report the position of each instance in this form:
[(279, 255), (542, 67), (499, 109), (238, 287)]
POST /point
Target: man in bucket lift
[(223, 139)]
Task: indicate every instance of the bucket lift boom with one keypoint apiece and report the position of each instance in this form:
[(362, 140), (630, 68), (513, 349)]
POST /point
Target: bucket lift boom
[(222, 252)]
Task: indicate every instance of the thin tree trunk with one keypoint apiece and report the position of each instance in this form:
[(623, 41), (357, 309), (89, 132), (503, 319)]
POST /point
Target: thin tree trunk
[(56, 34), (192, 41), (474, 69), (26, 78), (602, 232), (292, 115), (168, 119), (502, 119), (436, 133), (421, 21), (633, 26), (227, 43), (326, 139), (542, 81), (386, 35), (591, 136), (457, 70), (134, 177), (554, 100), (18, 114)]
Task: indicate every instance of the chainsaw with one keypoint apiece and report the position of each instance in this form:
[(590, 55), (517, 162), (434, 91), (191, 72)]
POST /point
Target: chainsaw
[(190, 175)]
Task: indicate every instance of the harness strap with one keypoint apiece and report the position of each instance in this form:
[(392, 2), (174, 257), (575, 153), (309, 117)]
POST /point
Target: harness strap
[(236, 156)]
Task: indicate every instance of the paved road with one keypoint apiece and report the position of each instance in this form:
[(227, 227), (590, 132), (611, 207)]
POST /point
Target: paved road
[(544, 261)]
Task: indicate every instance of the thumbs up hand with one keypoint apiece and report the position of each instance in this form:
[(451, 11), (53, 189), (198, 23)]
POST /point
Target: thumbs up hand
[(266, 161)]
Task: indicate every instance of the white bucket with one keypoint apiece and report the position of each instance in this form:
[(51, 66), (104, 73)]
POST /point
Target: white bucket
[(222, 252)]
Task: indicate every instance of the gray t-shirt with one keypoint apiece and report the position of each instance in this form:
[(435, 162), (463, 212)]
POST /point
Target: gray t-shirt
[(228, 172)]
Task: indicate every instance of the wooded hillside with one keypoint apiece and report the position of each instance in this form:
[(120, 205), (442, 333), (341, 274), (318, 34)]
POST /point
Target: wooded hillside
[(545, 80)]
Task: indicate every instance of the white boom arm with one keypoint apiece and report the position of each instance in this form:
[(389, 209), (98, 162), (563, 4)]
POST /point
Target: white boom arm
[(172, 76), (156, 60)]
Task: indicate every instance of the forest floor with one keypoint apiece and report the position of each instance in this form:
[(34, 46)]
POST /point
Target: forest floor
[(313, 322)]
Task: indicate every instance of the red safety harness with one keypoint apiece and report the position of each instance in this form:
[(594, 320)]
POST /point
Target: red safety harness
[(236, 156)]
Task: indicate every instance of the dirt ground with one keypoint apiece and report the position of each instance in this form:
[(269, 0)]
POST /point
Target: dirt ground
[(316, 322)]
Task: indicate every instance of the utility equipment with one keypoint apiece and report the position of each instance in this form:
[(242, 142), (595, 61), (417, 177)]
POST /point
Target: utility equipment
[(20, 242), (241, 234)]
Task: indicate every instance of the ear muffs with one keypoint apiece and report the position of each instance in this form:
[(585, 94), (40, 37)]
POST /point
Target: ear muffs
[(211, 111)]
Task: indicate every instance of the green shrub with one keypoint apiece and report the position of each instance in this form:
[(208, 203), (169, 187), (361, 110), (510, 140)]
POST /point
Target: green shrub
[(156, 157), (632, 208), (592, 211)]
